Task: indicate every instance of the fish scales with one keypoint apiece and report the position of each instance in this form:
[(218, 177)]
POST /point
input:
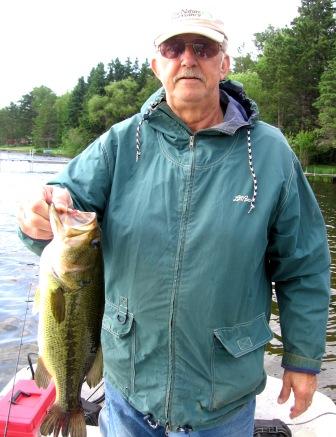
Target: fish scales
[(71, 302)]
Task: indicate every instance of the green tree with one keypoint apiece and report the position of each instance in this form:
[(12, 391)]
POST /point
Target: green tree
[(45, 123), (76, 102), (244, 62), (254, 90), (326, 104), (117, 71), (118, 104), (26, 117), (9, 133), (62, 115), (145, 72), (274, 69), (151, 85), (313, 34), (74, 141), (292, 61), (96, 81)]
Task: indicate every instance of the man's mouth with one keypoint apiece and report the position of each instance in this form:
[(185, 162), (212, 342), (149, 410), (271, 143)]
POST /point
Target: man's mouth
[(188, 76)]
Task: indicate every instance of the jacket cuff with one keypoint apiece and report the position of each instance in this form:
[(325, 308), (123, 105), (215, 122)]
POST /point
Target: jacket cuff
[(33, 244), (300, 364)]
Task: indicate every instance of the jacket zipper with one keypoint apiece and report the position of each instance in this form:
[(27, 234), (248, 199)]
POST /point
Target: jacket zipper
[(177, 275)]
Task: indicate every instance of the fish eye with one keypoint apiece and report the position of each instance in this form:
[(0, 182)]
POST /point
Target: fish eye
[(95, 243)]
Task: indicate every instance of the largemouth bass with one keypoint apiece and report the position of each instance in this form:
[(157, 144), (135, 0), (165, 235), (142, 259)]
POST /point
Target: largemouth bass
[(70, 300)]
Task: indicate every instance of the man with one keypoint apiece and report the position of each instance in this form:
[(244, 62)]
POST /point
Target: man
[(202, 207)]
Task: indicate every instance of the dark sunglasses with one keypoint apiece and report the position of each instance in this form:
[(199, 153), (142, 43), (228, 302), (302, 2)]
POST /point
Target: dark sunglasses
[(203, 48)]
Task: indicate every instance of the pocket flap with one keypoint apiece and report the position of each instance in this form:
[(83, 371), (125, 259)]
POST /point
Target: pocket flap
[(240, 339), (116, 325)]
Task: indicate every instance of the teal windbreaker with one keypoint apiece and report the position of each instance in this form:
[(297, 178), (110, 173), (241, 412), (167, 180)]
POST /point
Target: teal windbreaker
[(196, 227)]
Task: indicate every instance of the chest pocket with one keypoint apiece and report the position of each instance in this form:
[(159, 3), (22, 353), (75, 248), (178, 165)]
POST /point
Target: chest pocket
[(237, 360), (118, 341)]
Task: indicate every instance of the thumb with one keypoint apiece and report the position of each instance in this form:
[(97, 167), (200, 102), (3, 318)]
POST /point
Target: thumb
[(285, 391), (60, 197)]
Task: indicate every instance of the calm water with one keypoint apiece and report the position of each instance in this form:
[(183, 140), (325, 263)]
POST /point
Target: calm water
[(19, 275)]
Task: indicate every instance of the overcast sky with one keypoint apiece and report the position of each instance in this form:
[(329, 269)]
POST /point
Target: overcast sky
[(54, 42)]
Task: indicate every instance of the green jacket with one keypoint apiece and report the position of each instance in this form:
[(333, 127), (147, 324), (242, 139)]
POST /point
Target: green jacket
[(196, 227)]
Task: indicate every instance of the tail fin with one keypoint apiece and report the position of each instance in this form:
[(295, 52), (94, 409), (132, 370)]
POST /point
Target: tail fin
[(72, 423)]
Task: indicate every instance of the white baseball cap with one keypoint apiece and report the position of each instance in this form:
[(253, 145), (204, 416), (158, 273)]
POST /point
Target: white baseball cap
[(195, 21)]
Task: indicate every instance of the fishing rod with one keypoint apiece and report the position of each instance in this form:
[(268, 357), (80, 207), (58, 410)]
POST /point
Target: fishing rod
[(18, 360)]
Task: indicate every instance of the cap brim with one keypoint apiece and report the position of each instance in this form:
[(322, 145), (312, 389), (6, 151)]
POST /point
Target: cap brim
[(197, 30)]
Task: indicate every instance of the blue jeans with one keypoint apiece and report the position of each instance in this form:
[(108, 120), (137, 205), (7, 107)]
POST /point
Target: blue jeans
[(119, 419)]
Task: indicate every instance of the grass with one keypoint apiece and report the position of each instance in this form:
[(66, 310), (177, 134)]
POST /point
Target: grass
[(321, 169)]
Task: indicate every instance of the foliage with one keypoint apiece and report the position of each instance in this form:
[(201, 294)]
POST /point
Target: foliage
[(76, 102), (118, 103), (254, 89), (304, 145), (74, 141), (243, 62), (326, 103), (292, 79), (44, 133)]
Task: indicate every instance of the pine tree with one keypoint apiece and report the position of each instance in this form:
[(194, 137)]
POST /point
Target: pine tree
[(313, 33), (326, 104), (96, 81), (76, 102)]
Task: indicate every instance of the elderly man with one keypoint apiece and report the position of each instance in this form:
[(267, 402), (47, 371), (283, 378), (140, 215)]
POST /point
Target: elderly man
[(202, 207)]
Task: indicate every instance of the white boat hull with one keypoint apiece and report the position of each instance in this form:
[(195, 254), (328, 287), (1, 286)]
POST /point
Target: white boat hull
[(316, 422)]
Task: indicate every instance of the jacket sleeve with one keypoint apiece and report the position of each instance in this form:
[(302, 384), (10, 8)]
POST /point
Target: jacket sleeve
[(299, 262), (88, 177), (32, 244)]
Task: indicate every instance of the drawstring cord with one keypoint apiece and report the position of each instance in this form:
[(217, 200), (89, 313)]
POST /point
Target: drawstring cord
[(254, 177), (138, 133), (249, 148)]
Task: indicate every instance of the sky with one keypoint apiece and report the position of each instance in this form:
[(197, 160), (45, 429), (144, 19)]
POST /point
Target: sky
[(55, 42)]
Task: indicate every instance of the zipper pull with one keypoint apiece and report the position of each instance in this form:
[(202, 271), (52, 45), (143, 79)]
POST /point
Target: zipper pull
[(166, 428), (191, 142)]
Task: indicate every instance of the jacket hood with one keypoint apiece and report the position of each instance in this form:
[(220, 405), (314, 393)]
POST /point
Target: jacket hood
[(240, 112), (240, 107)]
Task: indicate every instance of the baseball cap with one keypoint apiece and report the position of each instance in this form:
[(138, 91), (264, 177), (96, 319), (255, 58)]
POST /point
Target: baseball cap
[(195, 21)]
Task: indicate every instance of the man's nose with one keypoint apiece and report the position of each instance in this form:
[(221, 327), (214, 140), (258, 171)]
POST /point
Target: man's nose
[(188, 57)]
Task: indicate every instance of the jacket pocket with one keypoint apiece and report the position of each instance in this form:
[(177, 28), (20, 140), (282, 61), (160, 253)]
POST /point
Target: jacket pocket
[(237, 360), (118, 339)]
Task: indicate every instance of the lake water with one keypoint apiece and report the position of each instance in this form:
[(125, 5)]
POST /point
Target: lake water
[(19, 274)]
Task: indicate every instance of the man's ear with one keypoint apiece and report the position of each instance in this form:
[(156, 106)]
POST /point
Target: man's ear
[(225, 66), (154, 67)]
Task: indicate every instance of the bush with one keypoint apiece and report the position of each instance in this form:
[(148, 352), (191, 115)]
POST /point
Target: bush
[(74, 141), (304, 145)]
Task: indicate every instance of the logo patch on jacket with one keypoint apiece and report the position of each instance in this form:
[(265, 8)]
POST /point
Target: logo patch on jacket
[(241, 198)]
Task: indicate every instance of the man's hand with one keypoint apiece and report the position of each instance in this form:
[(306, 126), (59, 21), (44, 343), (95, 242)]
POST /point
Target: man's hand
[(303, 386), (33, 217)]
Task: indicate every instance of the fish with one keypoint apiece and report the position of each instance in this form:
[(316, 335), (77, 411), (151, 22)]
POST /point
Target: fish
[(70, 302)]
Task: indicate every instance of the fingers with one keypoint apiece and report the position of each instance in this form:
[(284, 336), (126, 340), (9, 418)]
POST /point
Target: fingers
[(303, 386), (59, 196), (34, 220), (300, 406), (285, 391), (33, 216)]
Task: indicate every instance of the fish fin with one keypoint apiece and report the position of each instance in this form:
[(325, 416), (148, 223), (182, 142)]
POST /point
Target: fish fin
[(72, 423), (95, 373), (42, 376), (36, 304), (58, 304)]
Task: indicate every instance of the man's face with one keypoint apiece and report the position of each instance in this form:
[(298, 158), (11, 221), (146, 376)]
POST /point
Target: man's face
[(188, 78)]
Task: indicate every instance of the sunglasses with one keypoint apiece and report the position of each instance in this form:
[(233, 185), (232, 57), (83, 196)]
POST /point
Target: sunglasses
[(203, 48)]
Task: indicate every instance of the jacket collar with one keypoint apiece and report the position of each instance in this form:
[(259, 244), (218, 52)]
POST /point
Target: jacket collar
[(240, 111)]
